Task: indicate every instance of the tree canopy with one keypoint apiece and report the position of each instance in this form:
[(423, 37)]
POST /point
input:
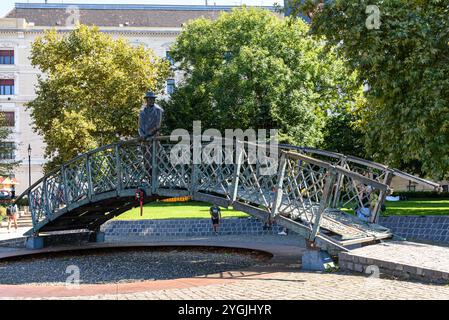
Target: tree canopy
[(251, 69), (405, 62), (91, 91)]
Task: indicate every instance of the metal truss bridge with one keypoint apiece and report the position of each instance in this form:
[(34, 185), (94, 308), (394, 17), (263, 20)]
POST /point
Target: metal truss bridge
[(314, 193)]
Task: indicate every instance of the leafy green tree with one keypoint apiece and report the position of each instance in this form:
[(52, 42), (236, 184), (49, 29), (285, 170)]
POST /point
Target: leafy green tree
[(91, 91), (340, 135), (252, 69), (405, 62)]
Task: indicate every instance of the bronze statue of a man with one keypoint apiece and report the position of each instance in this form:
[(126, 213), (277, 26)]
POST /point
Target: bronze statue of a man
[(150, 118)]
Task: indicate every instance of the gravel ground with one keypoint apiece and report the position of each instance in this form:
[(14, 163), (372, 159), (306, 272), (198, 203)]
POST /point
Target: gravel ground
[(125, 266)]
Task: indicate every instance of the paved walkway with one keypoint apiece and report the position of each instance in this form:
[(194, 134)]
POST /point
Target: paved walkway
[(294, 286), (280, 278), (12, 234), (256, 285)]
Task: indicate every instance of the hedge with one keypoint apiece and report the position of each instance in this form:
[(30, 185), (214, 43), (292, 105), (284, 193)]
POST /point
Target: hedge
[(422, 195)]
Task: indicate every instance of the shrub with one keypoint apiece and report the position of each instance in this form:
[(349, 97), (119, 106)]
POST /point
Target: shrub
[(422, 195)]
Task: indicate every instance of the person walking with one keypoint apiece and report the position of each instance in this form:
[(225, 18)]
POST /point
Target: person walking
[(12, 214), (150, 117), (215, 214)]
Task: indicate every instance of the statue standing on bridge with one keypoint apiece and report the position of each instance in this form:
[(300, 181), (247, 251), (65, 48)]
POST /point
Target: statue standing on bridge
[(150, 118)]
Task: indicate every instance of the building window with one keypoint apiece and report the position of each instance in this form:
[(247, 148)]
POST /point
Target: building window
[(9, 118), (170, 86), (7, 151), (6, 87), (169, 58), (6, 56)]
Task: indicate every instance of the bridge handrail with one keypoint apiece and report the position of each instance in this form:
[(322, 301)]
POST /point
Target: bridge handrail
[(339, 169), (408, 176), (81, 156), (372, 164)]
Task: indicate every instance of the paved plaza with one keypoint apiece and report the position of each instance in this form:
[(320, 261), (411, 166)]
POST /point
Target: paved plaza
[(279, 278), (6, 234), (295, 286)]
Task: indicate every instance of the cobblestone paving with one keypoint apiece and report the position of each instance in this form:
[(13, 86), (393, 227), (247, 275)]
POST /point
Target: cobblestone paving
[(285, 284), (295, 286)]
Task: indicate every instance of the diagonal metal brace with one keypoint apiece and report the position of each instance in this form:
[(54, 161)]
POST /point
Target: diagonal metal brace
[(327, 193)]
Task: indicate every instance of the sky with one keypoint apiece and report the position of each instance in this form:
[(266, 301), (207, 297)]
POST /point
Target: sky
[(7, 5)]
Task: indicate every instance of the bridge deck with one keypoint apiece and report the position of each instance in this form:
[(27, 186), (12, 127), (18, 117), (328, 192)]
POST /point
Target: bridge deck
[(349, 227)]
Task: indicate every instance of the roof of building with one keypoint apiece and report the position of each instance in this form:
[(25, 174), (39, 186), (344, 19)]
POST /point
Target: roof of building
[(114, 15)]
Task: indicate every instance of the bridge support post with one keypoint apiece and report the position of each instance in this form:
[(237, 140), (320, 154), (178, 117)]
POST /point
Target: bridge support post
[(90, 189), (238, 166), (382, 196), (154, 173), (279, 185), (118, 169), (327, 193), (339, 185), (315, 259), (35, 243), (96, 236), (99, 237)]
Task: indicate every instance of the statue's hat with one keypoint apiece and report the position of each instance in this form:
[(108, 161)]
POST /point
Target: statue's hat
[(150, 94)]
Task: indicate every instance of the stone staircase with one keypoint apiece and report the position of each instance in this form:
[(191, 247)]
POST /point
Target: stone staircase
[(25, 220), (15, 239)]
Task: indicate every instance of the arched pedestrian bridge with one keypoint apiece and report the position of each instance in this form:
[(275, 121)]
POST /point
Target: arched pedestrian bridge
[(312, 192)]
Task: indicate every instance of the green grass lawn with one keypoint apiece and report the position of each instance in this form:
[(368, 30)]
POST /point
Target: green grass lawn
[(415, 207), (194, 210), (177, 210)]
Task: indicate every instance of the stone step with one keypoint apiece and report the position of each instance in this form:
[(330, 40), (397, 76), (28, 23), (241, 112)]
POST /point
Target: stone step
[(400, 259), (25, 225), (22, 222)]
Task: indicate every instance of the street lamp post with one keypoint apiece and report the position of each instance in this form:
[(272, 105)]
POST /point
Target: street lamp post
[(29, 165)]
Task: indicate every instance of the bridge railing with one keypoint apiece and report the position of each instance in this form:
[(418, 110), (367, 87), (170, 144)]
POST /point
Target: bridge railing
[(302, 188), (370, 169), (215, 177), (308, 188)]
